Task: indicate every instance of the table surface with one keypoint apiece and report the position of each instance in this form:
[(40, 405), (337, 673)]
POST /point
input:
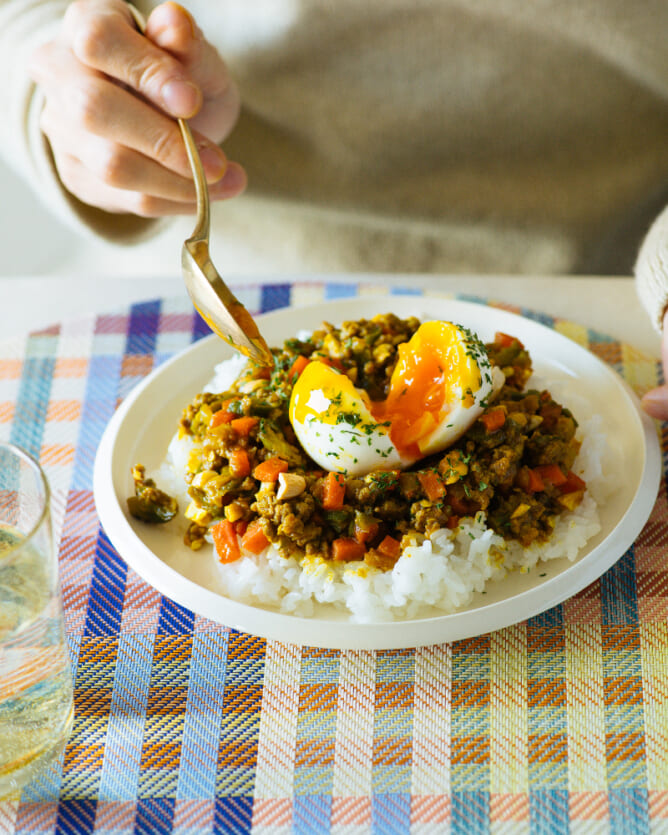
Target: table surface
[(556, 724), (606, 304)]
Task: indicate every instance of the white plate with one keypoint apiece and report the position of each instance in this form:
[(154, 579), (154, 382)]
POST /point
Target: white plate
[(143, 425)]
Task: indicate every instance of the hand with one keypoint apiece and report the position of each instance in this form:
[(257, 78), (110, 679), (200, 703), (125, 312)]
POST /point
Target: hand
[(655, 402), (112, 96)]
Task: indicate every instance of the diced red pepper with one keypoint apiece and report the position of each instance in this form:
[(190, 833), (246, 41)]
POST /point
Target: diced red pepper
[(505, 340), (460, 506), (552, 473), (240, 527), (572, 483), (536, 483), (332, 362)]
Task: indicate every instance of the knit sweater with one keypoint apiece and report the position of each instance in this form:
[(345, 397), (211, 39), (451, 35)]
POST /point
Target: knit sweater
[(445, 136)]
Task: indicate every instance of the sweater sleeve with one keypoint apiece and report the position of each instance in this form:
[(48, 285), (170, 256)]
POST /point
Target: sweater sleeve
[(651, 270), (24, 25)]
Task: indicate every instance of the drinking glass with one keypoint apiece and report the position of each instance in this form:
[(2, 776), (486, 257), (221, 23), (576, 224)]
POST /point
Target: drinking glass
[(36, 708)]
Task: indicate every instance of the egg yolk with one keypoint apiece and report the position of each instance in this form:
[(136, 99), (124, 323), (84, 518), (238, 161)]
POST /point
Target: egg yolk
[(436, 370), (324, 394)]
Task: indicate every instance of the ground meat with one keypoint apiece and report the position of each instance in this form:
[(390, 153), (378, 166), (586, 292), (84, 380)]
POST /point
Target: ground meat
[(292, 520), (502, 466)]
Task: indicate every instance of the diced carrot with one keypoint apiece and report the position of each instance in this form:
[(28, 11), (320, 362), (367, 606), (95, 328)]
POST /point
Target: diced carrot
[(239, 462), (269, 470), (298, 365), (552, 473), (254, 540), (432, 485), (505, 340), (364, 534), (225, 541), (345, 549), (220, 417), (390, 547), (572, 483), (335, 491), (536, 483), (494, 418), (244, 425)]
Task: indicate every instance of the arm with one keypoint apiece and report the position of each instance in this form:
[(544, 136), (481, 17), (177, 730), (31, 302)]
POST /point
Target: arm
[(652, 282)]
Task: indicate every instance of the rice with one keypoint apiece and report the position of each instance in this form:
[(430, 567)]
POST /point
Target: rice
[(440, 575)]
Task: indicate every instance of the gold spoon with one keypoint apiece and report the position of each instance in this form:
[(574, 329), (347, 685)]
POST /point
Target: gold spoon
[(214, 300)]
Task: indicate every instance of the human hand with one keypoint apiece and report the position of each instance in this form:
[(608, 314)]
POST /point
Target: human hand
[(655, 402), (112, 97)]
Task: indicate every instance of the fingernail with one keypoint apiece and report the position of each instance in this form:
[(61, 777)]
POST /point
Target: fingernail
[(233, 181), (161, 23), (186, 14), (181, 98), (214, 162), (655, 403)]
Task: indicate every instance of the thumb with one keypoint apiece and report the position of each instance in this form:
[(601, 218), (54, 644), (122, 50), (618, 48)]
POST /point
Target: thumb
[(655, 402), (173, 29), (104, 37)]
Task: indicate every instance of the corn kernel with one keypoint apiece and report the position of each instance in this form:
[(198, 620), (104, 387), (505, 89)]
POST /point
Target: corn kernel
[(197, 514), (571, 500), (233, 512)]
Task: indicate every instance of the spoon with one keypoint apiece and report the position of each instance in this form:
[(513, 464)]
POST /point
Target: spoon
[(212, 298)]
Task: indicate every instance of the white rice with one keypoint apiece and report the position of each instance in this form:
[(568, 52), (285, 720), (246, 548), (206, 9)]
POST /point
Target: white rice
[(438, 576)]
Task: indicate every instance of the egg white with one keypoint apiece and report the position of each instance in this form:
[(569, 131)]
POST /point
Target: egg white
[(461, 417), (333, 423)]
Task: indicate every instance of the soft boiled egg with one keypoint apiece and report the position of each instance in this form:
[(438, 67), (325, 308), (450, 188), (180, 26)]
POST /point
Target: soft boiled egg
[(441, 383)]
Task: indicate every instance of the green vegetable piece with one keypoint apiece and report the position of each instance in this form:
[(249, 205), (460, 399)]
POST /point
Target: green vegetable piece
[(339, 520), (273, 440), (149, 503)]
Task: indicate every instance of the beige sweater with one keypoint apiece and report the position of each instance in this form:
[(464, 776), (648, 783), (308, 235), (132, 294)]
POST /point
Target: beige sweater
[(494, 136)]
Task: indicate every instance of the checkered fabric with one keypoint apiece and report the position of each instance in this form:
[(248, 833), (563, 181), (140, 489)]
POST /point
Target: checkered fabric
[(557, 724)]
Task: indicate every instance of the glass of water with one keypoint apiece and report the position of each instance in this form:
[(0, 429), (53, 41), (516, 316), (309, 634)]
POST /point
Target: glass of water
[(36, 708)]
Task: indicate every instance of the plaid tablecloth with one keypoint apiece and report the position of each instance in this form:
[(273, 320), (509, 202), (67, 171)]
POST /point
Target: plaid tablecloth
[(558, 724)]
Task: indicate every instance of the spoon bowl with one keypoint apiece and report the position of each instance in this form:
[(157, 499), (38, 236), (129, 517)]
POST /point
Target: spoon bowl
[(218, 306)]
